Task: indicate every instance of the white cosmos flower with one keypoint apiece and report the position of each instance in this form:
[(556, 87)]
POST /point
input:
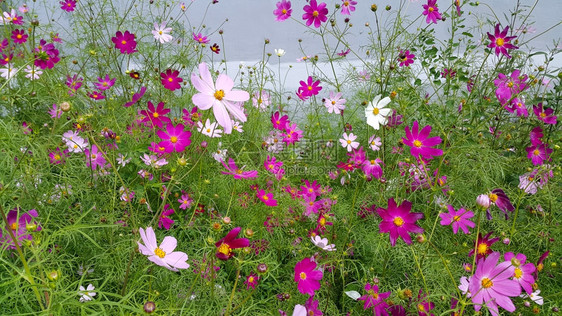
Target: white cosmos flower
[(279, 52), (162, 33), (323, 243), (534, 297), (210, 129), (375, 112), (87, 294)]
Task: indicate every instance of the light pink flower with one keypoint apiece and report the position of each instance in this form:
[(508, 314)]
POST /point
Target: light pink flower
[(163, 255)]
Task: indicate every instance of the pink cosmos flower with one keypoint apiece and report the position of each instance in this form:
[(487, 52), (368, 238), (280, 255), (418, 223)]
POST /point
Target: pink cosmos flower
[(523, 272), (398, 221), (175, 138), (431, 11), (375, 299), (96, 95), (375, 143), (538, 153), (74, 83), (191, 117), (519, 107), (314, 13), (420, 143), (348, 6), (510, 87), (544, 115), (163, 255), (266, 198), (491, 285), (185, 201), (309, 88), (459, 219), (125, 42), (280, 122), (483, 246), (424, 306), (237, 172), (283, 10), (162, 33), (171, 79), (46, 55), (104, 84), (57, 156), (12, 17), (94, 158), (261, 100), (200, 38), (55, 111), (229, 242), (19, 36), (156, 116), (307, 278), (17, 224), (501, 200), (136, 97), (68, 5), (293, 134), (500, 41), (405, 58), (272, 165), (251, 281), (335, 103), (220, 97), (164, 219), (348, 141), (536, 135), (372, 168), (344, 53)]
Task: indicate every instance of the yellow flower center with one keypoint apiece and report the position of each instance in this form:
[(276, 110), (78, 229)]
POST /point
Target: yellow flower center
[(303, 276), (225, 249), (333, 102), (543, 115), (398, 221), (500, 41), (14, 226), (309, 88), (93, 156), (57, 157), (493, 197), (510, 84), (372, 162), (482, 248), (487, 283), (251, 279), (18, 36), (376, 111), (284, 11), (265, 197), (417, 143), (159, 252), (373, 294), (456, 218), (160, 32), (536, 152), (431, 9), (219, 94), (170, 79), (346, 3), (173, 139), (315, 14), (517, 273), (421, 308), (348, 141), (322, 221), (123, 42), (155, 115)]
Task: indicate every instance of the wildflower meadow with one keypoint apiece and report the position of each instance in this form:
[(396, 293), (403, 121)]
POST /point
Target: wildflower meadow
[(408, 162)]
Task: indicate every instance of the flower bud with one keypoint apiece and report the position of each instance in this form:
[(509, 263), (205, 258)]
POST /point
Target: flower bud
[(65, 106), (149, 307), (483, 201)]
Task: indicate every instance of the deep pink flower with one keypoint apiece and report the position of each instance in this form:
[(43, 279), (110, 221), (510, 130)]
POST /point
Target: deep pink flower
[(491, 285), (280, 122), (519, 107), (266, 198), (272, 165), (344, 53), (510, 87), (523, 272), (309, 88), (420, 144), (375, 299), (501, 200), (164, 219), (431, 11), (96, 95), (500, 41), (293, 134), (372, 168), (125, 42), (200, 38), (18, 227), (283, 10), (57, 156), (171, 79), (46, 55), (398, 221), (13, 17), (136, 97), (483, 246), (458, 219), (68, 5), (251, 281), (74, 83), (544, 115), (191, 117), (237, 172), (315, 13), (307, 278), (185, 201), (104, 84), (538, 153), (311, 306), (19, 36), (348, 6), (220, 97), (536, 136), (229, 242), (175, 138), (156, 116), (94, 158), (405, 58)]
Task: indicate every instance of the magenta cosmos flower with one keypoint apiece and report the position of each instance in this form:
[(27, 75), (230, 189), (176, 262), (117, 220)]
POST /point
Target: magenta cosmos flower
[(483, 246), (280, 122), (46, 55), (375, 299), (398, 221), (125, 42), (431, 11), (307, 278), (229, 242), (500, 41), (94, 158), (175, 138), (136, 97), (19, 36), (237, 172), (491, 285), (405, 58), (165, 219), (266, 198), (523, 272), (18, 226), (200, 38), (538, 153), (156, 116), (220, 97), (171, 79), (68, 5), (283, 10), (510, 87), (315, 13), (420, 144), (459, 219), (501, 200), (308, 88), (544, 115), (348, 6), (163, 255), (104, 84)]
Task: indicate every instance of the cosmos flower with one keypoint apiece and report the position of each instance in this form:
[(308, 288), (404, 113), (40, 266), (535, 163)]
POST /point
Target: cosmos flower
[(215, 48), (308, 88), (523, 272), (220, 97), (251, 281), (431, 11), (19, 36), (373, 298), (458, 219), (483, 246), (500, 41), (405, 58), (348, 6), (229, 242), (156, 116), (104, 84), (307, 278), (17, 223), (163, 255), (376, 113), (375, 143), (348, 141), (125, 42), (162, 33), (283, 11), (538, 153), (399, 222), (335, 103), (200, 38), (266, 198), (544, 115), (236, 172), (279, 122), (136, 97), (94, 158), (171, 79), (68, 5), (164, 219), (315, 13), (420, 143), (209, 129), (322, 243), (86, 294)]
